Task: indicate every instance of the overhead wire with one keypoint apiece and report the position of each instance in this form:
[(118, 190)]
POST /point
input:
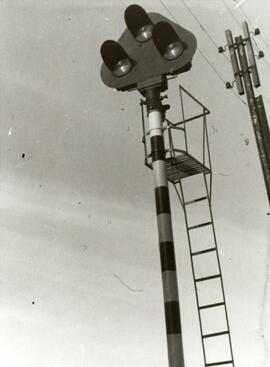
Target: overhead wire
[(202, 54), (213, 41), (262, 39), (200, 51), (202, 27), (237, 21), (249, 21)]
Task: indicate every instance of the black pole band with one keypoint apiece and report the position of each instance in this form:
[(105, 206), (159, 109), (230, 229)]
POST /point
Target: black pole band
[(167, 256), (172, 316), (153, 99), (162, 200), (157, 148)]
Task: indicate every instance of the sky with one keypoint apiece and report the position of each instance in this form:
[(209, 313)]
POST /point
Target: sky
[(79, 263)]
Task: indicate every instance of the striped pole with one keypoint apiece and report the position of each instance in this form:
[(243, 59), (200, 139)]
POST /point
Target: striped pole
[(166, 244)]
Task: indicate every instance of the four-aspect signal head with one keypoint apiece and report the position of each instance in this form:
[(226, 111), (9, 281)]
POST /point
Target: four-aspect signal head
[(151, 47)]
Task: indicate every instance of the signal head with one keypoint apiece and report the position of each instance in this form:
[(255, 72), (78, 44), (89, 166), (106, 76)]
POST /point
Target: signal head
[(149, 49)]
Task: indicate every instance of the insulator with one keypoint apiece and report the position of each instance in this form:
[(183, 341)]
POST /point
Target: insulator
[(221, 49)]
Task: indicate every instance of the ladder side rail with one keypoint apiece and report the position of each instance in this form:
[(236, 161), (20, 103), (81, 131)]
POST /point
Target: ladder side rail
[(181, 199), (209, 192), (204, 142)]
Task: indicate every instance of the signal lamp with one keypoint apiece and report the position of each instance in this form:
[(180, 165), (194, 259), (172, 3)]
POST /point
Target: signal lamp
[(138, 23), (167, 41), (116, 58)]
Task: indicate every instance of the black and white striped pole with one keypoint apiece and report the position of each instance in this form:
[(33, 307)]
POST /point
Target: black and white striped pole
[(165, 231), (151, 48)]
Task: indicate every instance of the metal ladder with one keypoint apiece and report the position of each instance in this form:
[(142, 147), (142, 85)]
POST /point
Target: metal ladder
[(219, 304), (181, 165)]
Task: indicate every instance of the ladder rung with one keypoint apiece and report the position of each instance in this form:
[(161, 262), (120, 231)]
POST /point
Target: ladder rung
[(200, 225), (212, 305), (215, 334), (203, 251), (218, 363), (196, 200), (207, 278)]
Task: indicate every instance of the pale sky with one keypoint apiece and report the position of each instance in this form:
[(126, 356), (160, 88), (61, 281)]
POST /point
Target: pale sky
[(79, 261)]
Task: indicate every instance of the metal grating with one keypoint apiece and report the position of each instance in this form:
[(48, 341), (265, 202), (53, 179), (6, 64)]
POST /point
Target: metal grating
[(183, 165)]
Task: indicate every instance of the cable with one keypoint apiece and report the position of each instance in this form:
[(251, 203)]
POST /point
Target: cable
[(229, 10), (202, 27), (212, 40), (200, 51), (168, 10), (249, 20), (266, 62), (264, 42), (237, 21)]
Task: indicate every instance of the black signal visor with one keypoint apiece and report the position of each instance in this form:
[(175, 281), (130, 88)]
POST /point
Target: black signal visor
[(115, 58), (138, 23), (166, 39)]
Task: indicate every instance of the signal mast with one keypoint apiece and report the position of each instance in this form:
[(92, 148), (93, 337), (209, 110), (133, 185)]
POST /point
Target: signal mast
[(150, 50)]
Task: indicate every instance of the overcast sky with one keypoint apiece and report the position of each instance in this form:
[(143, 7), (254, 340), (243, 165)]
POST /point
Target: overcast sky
[(79, 262)]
